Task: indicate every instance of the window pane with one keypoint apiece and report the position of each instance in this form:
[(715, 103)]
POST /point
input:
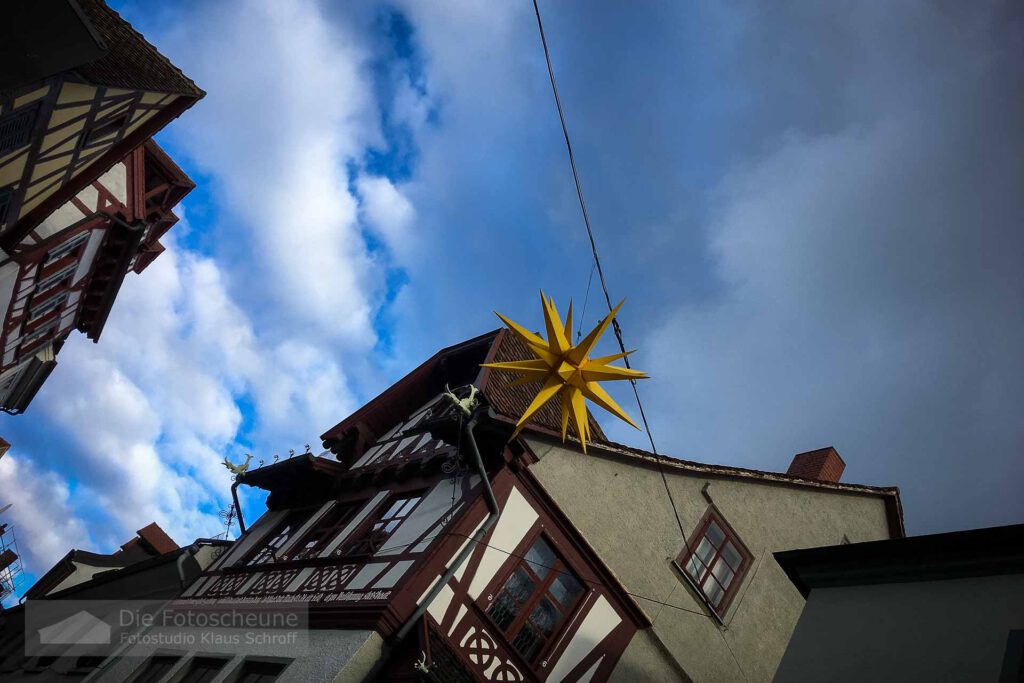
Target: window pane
[(715, 534), (565, 589), (695, 568), (409, 505), (705, 551), (545, 617), (528, 642), (393, 509), (732, 556), (713, 591), (510, 601), (541, 558), (723, 573)]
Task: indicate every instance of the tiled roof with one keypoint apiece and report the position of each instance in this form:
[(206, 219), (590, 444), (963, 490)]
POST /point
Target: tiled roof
[(512, 401), (130, 62)]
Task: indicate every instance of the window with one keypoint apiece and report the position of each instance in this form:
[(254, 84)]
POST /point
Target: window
[(156, 668), (268, 550), (51, 281), (336, 519), (6, 195), (104, 130), (372, 537), (66, 248), (716, 561), (535, 600), (47, 305), (16, 128), (88, 662), (260, 672), (44, 330), (203, 670)]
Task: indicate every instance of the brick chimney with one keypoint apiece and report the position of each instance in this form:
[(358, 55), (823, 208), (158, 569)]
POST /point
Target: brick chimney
[(823, 464)]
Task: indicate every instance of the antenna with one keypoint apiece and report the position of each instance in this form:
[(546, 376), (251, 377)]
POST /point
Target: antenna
[(12, 573), (228, 517)]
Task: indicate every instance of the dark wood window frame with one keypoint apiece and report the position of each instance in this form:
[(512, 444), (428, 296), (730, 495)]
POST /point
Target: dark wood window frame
[(381, 523), (202, 669), (16, 127), (269, 545), (544, 571), (326, 529), (706, 566), (155, 668), (104, 129), (257, 670)]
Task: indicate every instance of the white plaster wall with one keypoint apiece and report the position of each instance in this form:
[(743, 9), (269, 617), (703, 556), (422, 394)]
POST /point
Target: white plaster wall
[(88, 255), (8, 278)]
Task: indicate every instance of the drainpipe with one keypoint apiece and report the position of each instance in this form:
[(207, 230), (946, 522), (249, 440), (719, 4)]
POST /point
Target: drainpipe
[(492, 517), (238, 508)]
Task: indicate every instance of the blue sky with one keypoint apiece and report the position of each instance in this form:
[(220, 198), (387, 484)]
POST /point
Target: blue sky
[(813, 211)]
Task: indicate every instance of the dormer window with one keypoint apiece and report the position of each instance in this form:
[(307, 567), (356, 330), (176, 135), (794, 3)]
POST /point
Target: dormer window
[(716, 561)]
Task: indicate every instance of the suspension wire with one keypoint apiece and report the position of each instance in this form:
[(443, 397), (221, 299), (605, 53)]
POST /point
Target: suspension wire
[(586, 298), (534, 563), (600, 271)]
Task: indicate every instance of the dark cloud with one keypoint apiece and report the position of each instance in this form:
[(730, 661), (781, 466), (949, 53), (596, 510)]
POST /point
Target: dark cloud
[(814, 209)]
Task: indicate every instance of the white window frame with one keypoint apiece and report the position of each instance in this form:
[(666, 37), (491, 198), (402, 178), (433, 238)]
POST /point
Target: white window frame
[(40, 333), (50, 280), (67, 247), (55, 301)]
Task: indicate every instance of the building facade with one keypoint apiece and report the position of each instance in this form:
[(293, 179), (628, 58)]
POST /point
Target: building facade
[(573, 570), (944, 607), (85, 194), (149, 567)]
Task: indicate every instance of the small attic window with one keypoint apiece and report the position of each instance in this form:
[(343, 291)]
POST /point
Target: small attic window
[(716, 561), (16, 128), (105, 129)]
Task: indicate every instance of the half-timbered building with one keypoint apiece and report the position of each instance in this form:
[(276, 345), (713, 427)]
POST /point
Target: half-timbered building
[(60, 132), (66, 272), (84, 192), (552, 566)]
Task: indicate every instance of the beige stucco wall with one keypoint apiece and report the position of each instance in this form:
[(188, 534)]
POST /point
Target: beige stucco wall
[(631, 526)]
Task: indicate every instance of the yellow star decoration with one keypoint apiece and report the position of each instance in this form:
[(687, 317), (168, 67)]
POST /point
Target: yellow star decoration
[(567, 370)]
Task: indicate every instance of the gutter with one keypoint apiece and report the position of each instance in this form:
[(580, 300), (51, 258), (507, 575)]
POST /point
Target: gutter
[(238, 508)]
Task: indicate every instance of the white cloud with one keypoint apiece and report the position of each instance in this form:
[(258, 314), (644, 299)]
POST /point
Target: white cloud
[(390, 215), (43, 538), (289, 107)]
